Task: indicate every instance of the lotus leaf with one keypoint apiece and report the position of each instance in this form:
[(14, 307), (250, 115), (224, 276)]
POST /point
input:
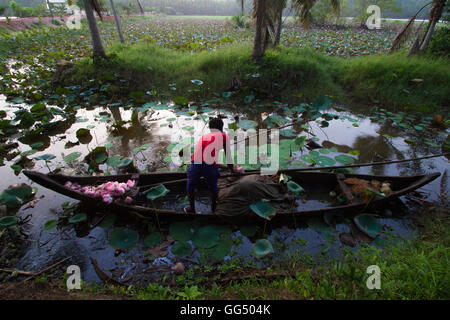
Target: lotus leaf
[(181, 231), (368, 224), (8, 221), (206, 237), (156, 192), (181, 249), (123, 239), (263, 209), (262, 248), (80, 217), (153, 239)]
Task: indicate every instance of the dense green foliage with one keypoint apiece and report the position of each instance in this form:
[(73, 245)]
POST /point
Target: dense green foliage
[(440, 43), (283, 72)]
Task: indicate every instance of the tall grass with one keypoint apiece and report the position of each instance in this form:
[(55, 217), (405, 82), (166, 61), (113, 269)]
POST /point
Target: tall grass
[(394, 81)]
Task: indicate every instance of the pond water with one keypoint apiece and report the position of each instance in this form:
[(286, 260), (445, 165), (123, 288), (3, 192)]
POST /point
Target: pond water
[(160, 125)]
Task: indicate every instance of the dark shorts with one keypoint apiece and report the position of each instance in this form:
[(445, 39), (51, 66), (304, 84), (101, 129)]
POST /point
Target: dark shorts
[(208, 171)]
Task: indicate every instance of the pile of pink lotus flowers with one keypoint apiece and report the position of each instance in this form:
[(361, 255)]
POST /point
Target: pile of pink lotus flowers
[(109, 192)]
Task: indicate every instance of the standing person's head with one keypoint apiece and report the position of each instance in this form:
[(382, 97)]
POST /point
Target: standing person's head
[(216, 123)]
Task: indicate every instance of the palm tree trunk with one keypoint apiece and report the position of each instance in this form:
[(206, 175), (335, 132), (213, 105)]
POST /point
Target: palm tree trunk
[(258, 50), (278, 29), (116, 18), (49, 8), (140, 6), (435, 15), (97, 46), (242, 7)]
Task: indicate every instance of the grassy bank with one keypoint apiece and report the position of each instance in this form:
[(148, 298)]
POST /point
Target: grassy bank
[(415, 269), (286, 74)]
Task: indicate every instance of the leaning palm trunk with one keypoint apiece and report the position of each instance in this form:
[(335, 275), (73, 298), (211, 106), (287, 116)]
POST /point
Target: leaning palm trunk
[(258, 50), (99, 52), (435, 15), (49, 8), (116, 19), (278, 29), (140, 7), (405, 31)]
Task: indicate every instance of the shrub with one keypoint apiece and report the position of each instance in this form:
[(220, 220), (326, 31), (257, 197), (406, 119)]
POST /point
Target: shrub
[(240, 20), (3, 9), (440, 43)]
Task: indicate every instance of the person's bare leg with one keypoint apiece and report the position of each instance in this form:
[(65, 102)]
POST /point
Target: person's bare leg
[(191, 196), (213, 202)]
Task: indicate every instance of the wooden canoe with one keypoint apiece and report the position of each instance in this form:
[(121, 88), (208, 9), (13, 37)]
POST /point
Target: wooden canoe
[(312, 182)]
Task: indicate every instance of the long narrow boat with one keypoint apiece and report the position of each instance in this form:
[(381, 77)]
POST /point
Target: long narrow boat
[(316, 184)]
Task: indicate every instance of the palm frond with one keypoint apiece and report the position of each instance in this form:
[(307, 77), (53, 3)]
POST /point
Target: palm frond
[(303, 10), (97, 7), (405, 31)]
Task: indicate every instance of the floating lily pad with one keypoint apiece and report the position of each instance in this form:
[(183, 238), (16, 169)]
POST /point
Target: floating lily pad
[(197, 82), (300, 141), (153, 239), (50, 224), (125, 162), (344, 159), (46, 157), (206, 237), (99, 155), (114, 161), (109, 221), (287, 133), (325, 161), (72, 156), (8, 221), (181, 231), (181, 249), (368, 224), (15, 197), (80, 217), (263, 209), (295, 188), (123, 239), (246, 124), (262, 248), (222, 249), (156, 192)]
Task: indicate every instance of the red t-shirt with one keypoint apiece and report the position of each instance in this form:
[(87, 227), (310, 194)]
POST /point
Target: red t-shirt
[(206, 148)]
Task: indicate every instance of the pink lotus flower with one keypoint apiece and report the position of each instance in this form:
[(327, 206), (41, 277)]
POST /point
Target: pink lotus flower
[(128, 200), (131, 183), (119, 192), (107, 199)]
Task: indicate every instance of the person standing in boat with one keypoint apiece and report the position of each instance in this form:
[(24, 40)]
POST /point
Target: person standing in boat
[(204, 163)]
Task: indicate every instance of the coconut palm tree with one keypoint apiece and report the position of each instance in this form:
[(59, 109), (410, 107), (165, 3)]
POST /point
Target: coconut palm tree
[(303, 9), (89, 7), (116, 19), (259, 14), (268, 16), (140, 7), (241, 2)]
